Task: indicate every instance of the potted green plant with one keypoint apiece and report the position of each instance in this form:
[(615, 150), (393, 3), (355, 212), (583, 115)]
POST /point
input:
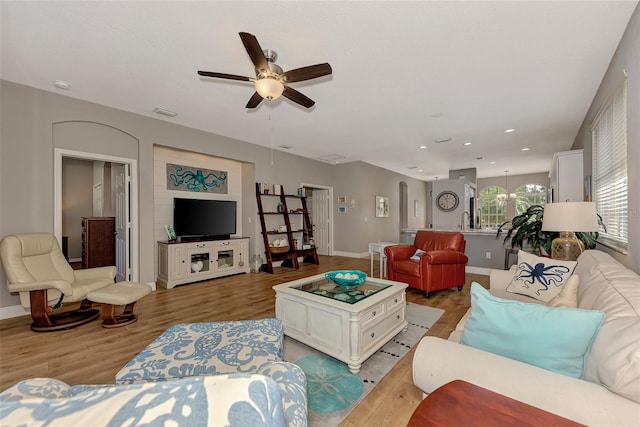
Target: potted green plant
[(526, 228)]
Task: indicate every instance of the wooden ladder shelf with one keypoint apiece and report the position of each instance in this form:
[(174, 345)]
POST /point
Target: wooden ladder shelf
[(289, 257)]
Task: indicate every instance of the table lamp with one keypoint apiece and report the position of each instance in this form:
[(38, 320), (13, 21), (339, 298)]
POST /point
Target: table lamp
[(563, 216)]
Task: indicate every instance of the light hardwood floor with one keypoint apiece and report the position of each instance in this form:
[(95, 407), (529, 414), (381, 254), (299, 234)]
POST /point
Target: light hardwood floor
[(91, 354)]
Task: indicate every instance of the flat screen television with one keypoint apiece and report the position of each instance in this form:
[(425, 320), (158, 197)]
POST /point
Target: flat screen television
[(204, 219)]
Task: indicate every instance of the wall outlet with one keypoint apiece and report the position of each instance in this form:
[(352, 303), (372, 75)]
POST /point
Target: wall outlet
[(487, 255)]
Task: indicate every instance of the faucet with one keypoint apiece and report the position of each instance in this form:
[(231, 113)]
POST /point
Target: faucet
[(462, 220)]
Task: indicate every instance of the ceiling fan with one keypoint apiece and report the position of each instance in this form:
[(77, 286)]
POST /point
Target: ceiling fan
[(270, 80)]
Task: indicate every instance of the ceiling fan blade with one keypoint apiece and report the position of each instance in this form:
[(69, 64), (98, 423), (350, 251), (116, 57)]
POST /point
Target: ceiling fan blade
[(255, 100), (308, 73), (298, 98), (255, 51), (224, 76)]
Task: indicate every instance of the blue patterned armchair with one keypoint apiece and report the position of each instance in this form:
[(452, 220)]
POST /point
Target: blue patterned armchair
[(196, 374), (193, 401), (215, 348)]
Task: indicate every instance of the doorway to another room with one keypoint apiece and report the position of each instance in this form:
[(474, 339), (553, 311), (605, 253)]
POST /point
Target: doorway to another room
[(320, 206), (101, 189)]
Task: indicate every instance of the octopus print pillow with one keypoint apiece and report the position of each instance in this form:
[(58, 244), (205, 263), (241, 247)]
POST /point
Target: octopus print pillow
[(540, 278)]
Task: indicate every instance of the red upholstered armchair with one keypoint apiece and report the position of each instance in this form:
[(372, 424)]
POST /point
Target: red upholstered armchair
[(440, 267)]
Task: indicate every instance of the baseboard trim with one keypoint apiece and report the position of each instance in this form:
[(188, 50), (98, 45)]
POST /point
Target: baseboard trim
[(351, 254), (13, 311)]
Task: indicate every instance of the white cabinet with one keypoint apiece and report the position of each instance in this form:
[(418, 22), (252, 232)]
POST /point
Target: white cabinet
[(180, 263), (566, 177)]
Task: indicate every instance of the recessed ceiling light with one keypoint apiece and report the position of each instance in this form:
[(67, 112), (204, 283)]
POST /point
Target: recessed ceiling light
[(61, 84), (525, 149), (467, 143), (420, 170), (422, 147), (165, 112), (509, 130), (492, 163)]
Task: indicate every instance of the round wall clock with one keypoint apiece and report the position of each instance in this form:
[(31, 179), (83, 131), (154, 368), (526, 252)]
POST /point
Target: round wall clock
[(447, 201)]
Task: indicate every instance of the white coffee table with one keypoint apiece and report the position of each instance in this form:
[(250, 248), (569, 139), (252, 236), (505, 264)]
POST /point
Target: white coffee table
[(312, 313)]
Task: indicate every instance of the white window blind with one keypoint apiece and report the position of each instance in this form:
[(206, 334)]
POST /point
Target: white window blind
[(609, 167)]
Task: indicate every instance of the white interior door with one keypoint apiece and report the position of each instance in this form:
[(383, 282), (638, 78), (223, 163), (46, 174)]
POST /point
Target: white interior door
[(123, 221), (320, 220)]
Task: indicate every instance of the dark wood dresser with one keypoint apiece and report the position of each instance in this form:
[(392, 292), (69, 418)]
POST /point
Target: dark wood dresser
[(98, 242)]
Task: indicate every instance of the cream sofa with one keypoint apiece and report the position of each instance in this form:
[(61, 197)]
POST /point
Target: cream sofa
[(609, 394)]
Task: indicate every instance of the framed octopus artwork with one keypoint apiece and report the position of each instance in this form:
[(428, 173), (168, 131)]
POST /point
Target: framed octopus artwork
[(193, 179)]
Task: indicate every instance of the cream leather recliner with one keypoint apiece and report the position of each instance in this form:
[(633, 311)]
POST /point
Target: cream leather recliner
[(37, 269)]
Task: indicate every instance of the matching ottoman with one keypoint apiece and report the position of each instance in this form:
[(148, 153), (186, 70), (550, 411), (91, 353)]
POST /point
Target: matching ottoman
[(124, 294), (208, 348)]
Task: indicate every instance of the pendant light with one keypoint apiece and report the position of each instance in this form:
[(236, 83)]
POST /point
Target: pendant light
[(503, 196)]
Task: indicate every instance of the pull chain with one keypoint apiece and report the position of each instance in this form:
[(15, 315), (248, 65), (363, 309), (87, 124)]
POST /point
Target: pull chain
[(273, 131)]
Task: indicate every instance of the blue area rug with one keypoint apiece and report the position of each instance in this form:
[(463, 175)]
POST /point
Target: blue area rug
[(331, 387), (332, 390)]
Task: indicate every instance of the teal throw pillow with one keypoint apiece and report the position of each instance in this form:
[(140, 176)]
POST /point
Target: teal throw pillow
[(553, 338)]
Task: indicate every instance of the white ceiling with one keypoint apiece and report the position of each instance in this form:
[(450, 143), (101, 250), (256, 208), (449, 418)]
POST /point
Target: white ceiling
[(404, 73)]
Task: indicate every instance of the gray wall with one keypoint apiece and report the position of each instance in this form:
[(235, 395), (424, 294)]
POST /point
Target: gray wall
[(627, 57), (358, 226), (29, 117)]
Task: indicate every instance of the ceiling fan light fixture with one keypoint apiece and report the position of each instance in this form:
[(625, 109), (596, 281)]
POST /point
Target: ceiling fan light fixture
[(269, 88)]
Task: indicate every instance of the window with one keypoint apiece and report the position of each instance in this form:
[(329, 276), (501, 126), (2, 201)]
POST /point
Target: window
[(493, 209), (530, 194), (609, 167)]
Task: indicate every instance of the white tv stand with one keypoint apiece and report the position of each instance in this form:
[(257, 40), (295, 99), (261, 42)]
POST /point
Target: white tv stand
[(180, 263)]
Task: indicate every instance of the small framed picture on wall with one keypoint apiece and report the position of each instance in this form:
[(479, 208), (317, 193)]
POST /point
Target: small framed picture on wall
[(382, 207)]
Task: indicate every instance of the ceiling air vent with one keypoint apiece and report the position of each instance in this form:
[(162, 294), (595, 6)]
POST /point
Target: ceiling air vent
[(441, 140), (331, 158), (165, 112)]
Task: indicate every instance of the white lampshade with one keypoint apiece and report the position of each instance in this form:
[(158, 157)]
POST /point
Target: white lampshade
[(567, 218), (269, 88), (570, 216)]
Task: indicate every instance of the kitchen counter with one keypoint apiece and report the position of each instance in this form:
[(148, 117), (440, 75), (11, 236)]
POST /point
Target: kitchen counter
[(478, 232)]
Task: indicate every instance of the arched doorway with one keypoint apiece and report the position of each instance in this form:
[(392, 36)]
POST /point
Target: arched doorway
[(403, 203)]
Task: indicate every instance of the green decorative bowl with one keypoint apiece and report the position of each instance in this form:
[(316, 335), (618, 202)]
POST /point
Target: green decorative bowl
[(346, 283)]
